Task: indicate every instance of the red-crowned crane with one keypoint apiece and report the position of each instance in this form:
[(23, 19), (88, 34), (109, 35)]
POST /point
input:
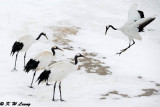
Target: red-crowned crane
[(40, 62), (23, 44), (57, 72), (135, 24)]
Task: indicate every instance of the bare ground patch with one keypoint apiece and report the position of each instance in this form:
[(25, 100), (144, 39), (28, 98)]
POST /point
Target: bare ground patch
[(115, 93), (93, 65), (60, 34), (140, 77), (148, 92), (157, 84)]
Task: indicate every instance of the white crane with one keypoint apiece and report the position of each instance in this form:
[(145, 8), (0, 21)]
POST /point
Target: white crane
[(22, 45), (57, 72), (40, 62), (135, 24)]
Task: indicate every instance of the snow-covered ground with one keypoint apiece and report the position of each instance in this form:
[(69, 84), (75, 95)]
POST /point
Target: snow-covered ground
[(135, 75)]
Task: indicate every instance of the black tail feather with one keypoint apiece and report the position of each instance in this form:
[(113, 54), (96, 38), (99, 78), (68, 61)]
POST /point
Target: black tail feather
[(43, 76), (31, 65), (17, 46)]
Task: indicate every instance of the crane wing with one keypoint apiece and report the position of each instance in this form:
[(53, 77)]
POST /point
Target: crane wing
[(134, 14), (141, 13), (140, 24)]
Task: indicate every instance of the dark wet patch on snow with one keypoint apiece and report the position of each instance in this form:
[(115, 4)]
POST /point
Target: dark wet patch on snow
[(30, 95), (60, 34), (68, 48), (115, 93), (102, 98), (93, 65), (157, 84), (140, 77), (148, 92)]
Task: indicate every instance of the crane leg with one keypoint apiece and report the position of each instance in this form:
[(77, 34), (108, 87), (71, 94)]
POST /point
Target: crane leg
[(123, 50), (54, 87), (24, 59), (60, 92), (33, 79), (14, 69)]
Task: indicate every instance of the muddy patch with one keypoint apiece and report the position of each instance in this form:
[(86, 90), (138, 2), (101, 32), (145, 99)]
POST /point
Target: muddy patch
[(148, 92), (93, 65), (68, 48), (102, 98), (157, 84), (60, 34), (115, 93), (140, 77)]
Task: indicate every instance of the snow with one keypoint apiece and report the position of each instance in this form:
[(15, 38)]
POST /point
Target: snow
[(18, 18)]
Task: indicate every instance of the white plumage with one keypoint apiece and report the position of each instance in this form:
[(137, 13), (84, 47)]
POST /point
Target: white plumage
[(40, 61), (135, 24), (23, 44), (60, 70), (45, 59), (27, 41), (57, 72), (133, 14)]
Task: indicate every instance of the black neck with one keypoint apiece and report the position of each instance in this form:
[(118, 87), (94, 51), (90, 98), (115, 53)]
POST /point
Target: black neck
[(53, 51), (76, 60), (112, 27), (39, 37)]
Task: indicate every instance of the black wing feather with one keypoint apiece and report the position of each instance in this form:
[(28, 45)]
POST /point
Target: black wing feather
[(43, 76), (31, 65), (141, 13), (17, 46), (141, 26)]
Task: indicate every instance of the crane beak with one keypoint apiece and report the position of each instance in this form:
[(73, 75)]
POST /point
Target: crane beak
[(46, 37), (106, 30), (59, 49), (44, 34), (83, 56)]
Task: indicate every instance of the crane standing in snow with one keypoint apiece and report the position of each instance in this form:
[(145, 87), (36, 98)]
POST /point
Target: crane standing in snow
[(57, 72), (40, 61), (22, 45), (135, 24)]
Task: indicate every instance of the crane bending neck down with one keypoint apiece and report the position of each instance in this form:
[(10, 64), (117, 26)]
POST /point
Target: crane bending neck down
[(107, 27), (76, 58), (44, 34)]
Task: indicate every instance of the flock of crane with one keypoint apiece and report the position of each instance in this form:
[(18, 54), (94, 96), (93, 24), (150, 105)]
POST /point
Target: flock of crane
[(58, 71)]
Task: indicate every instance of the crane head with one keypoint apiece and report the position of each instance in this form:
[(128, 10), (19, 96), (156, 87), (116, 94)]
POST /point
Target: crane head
[(44, 34), (106, 29), (55, 47), (80, 55)]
